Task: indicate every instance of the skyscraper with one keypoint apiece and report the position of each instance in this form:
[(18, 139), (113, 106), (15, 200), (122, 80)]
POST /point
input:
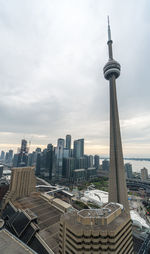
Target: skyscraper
[(105, 165), (59, 151), (90, 161), (68, 142), (79, 148), (68, 168), (1, 170), (23, 146), (21, 159), (38, 164), (10, 155), (49, 159), (60, 142), (2, 155), (128, 169), (96, 161), (144, 174), (117, 171)]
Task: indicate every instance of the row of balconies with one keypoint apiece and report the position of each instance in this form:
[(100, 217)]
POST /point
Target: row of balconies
[(97, 238), (124, 246), (98, 244)]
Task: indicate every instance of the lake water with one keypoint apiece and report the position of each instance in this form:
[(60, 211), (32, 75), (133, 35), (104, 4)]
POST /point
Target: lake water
[(137, 165)]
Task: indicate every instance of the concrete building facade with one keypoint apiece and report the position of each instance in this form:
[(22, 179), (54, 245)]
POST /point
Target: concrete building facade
[(22, 184), (106, 230)]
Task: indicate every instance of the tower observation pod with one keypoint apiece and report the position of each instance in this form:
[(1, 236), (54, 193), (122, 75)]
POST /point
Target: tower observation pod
[(112, 68), (117, 180)]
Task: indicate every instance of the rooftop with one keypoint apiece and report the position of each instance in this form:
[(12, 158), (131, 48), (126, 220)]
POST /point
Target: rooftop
[(103, 216), (138, 220), (61, 202), (9, 244), (92, 168), (48, 218), (104, 220), (97, 196), (79, 170), (99, 213)]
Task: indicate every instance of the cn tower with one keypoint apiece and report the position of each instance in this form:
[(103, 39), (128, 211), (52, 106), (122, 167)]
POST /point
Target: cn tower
[(117, 180)]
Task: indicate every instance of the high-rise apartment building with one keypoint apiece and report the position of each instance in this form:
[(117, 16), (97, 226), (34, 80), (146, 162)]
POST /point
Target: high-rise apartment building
[(96, 161), (144, 174), (2, 155), (128, 169), (90, 161), (80, 163), (105, 165), (1, 170), (79, 148), (68, 168)]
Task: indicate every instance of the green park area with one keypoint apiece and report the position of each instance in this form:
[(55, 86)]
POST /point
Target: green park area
[(98, 183), (79, 205)]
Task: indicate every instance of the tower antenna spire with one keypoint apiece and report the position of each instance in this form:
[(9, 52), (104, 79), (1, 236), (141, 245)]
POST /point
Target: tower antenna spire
[(109, 42), (109, 31)]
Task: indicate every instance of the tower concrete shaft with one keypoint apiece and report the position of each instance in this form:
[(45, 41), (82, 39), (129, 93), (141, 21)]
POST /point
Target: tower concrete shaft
[(117, 180)]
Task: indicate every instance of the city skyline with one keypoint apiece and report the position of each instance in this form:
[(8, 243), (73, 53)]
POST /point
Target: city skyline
[(54, 54), (32, 147)]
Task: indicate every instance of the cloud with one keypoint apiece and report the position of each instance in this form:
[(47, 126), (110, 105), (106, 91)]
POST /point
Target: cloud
[(52, 55)]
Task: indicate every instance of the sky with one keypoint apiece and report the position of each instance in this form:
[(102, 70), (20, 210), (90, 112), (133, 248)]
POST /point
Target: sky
[(52, 54)]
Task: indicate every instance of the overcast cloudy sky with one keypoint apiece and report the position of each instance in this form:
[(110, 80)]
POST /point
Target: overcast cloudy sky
[(52, 54)]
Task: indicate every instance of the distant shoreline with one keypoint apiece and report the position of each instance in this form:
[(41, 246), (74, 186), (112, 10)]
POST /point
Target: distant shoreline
[(126, 158)]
